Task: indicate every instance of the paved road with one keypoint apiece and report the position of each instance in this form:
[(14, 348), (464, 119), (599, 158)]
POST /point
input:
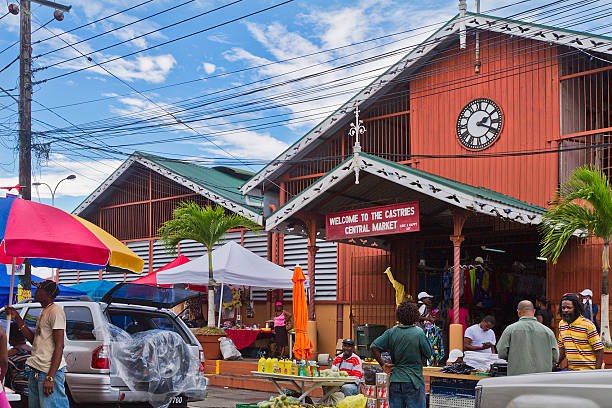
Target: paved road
[(219, 397)]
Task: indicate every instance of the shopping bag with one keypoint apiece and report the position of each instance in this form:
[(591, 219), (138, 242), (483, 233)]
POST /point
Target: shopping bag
[(354, 401), (229, 350)]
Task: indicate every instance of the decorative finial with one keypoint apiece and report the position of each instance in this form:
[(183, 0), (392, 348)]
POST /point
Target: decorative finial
[(356, 130)]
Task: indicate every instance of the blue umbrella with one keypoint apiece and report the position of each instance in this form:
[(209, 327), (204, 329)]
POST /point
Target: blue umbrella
[(5, 285), (95, 289)]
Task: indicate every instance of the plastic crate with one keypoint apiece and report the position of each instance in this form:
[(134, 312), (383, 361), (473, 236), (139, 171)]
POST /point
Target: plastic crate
[(447, 401)]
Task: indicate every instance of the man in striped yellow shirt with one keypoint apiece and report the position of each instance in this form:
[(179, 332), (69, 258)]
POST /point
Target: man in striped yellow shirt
[(578, 338)]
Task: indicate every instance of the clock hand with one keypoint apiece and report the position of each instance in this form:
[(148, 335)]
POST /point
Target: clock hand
[(487, 126), (482, 121)]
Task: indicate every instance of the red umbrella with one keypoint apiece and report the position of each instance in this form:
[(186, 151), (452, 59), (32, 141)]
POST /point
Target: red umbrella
[(151, 278)]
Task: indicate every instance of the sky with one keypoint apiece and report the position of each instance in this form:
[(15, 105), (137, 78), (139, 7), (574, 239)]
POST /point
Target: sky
[(248, 79)]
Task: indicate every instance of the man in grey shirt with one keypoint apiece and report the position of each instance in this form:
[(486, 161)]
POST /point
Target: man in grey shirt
[(529, 346)]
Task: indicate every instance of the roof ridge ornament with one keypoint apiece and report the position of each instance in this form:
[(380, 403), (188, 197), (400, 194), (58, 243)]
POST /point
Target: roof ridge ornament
[(356, 129)]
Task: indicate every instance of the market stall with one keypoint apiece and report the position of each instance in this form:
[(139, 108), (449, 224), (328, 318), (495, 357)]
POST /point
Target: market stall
[(235, 269), (306, 385)]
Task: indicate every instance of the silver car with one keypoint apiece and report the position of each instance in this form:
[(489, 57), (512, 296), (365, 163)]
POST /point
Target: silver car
[(91, 376), (585, 389)]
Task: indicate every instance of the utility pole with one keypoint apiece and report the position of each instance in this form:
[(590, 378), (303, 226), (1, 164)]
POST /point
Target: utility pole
[(25, 111)]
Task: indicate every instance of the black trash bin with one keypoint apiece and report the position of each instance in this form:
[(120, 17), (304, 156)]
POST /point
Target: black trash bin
[(365, 335)]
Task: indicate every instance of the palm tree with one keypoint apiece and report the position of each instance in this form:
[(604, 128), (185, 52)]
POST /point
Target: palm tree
[(206, 225), (583, 208)]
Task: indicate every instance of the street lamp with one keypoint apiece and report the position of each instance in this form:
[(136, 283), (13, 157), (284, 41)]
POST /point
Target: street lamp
[(52, 191)]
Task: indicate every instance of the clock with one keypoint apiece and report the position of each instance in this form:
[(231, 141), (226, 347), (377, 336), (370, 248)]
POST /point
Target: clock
[(479, 124)]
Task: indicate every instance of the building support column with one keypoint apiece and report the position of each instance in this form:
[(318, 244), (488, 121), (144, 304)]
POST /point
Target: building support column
[(311, 226), (311, 328), (456, 329)]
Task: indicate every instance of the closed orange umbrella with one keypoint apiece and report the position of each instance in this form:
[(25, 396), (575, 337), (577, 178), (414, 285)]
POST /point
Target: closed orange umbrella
[(302, 349)]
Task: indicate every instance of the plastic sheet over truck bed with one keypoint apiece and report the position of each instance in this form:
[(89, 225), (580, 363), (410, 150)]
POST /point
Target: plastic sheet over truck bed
[(157, 362)]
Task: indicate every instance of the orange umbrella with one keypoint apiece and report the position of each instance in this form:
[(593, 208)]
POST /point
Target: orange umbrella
[(302, 349)]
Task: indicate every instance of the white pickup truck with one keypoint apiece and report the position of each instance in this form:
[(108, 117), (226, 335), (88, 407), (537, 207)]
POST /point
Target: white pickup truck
[(583, 389)]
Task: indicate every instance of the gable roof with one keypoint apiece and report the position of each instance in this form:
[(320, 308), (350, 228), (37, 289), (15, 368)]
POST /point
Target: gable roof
[(412, 62), (218, 185), (478, 199)]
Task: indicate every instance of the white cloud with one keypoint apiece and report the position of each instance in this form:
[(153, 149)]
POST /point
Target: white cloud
[(148, 68), (328, 27), (90, 174), (209, 68), (245, 144)]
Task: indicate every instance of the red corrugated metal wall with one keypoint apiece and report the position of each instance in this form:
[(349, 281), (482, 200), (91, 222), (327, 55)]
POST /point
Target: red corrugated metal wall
[(579, 267), (524, 84)]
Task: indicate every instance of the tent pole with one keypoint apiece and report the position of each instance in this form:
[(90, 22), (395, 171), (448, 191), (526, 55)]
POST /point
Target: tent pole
[(10, 302), (220, 306)]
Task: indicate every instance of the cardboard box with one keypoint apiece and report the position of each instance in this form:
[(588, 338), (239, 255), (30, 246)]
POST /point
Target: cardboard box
[(382, 403), (382, 379), (369, 391), (371, 403), (382, 392)]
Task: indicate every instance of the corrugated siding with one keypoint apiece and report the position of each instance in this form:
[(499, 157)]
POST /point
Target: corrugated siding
[(578, 268), (525, 85), (296, 252)]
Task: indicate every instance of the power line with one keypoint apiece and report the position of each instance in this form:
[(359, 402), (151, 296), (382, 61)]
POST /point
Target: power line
[(167, 42), (224, 98), (173, 8)]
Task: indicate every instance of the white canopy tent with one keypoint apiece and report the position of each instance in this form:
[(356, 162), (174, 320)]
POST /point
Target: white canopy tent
[(232, 265)]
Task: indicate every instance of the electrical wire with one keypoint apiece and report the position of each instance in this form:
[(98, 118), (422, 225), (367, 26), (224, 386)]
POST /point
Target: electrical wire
[(183, 37)]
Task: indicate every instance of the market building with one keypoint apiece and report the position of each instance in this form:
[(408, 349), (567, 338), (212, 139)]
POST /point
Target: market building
[(462, 145), (141, 194)]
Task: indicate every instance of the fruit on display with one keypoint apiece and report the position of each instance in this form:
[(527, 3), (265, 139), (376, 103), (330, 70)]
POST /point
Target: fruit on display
[(333, 372), (281, 401)]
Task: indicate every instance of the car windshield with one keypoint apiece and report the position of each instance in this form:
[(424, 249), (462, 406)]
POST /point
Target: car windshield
[(138, 321)]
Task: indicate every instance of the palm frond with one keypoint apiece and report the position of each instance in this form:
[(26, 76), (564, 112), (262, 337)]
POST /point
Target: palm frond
[(206, 225)]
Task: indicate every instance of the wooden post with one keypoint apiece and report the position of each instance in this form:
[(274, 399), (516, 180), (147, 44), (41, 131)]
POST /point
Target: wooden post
[(311, 226), (25, 120)]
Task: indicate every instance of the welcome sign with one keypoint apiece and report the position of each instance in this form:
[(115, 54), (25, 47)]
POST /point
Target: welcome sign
[(367, 222)]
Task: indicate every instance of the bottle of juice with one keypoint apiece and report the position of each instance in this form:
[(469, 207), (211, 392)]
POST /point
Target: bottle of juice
[(288, 367), (315, 369), (302, 368), (261, 364), (269, 365), (294, 368), (275, 366)]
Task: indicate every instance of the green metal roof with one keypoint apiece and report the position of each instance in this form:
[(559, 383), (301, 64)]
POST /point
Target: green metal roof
[(216, 181), (480, 192), (462, 187)]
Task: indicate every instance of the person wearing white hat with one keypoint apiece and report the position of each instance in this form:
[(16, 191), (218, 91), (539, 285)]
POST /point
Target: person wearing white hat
[(590, 309), (425, 305)]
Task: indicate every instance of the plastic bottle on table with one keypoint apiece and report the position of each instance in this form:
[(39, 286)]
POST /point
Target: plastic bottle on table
[(269, 367), (275, 366), (261, 365), (302, 368), (288, 367), (294, 368)]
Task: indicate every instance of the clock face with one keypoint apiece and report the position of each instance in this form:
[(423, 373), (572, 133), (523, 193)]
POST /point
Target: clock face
[(479, 124)]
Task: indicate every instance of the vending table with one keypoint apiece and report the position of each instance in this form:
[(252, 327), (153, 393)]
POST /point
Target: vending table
[(306, 385), (451, 390)]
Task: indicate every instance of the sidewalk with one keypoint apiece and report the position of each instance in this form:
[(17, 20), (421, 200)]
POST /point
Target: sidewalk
[(219, 397)]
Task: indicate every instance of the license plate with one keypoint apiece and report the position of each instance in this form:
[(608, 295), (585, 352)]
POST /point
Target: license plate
[(180, 401)]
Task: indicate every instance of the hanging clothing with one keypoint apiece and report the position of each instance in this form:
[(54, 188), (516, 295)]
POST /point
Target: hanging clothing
[(434, 336)]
